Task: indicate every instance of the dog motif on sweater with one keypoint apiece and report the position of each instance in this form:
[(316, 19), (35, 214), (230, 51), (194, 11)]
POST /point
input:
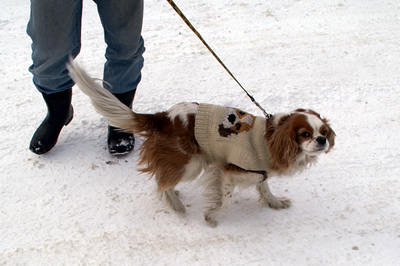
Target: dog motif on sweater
[(235, 121)]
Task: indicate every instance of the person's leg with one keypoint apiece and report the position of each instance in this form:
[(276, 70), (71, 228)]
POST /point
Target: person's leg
[(55, 30), (59, 114), (122, 23)]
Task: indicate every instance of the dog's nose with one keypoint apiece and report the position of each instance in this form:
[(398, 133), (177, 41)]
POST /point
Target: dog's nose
[(321, 140)]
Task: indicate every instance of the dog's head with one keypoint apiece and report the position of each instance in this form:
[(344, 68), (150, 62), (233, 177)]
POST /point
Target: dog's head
[(303, 132)]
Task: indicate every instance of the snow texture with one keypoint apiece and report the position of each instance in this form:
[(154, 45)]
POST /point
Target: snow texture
[(80, 205)]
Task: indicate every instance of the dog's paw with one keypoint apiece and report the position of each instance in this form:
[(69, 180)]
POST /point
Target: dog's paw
[(179, 208), (171, 198), (279, 203), (211, 222)]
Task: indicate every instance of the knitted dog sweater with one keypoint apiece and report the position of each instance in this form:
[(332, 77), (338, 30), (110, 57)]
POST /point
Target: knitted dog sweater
[(230, 136)]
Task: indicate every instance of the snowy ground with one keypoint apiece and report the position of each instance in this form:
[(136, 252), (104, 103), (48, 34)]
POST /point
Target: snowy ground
[(79, 205)]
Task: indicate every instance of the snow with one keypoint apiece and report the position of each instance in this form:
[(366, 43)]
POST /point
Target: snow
[(79, 205)]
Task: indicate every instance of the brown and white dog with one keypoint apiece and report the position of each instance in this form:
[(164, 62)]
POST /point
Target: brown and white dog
[(172, 152)]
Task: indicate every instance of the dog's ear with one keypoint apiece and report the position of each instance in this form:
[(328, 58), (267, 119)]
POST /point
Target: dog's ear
[(282, 144)]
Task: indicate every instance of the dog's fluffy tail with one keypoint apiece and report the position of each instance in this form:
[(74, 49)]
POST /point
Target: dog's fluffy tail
[(105, 103)]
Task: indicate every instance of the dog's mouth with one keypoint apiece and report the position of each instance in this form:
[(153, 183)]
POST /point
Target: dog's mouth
[(317, 150)]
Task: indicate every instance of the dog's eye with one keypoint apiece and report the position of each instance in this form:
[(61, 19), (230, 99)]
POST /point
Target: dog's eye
[(325, 132), (305, 134)]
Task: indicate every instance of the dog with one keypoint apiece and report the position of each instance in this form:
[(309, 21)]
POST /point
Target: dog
[(228, 146)]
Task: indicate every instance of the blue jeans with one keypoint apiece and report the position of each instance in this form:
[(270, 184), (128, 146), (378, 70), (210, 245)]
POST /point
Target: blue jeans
[(55, 29)]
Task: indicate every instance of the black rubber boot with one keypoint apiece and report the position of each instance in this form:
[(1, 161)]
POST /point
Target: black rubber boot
[(120, 143), (59, 114)]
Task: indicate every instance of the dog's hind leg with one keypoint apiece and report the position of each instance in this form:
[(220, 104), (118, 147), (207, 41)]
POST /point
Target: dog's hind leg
[(218, 193), (269, 199), (171, 198)]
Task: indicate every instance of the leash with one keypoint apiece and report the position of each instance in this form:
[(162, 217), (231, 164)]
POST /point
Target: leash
[(176, 8)]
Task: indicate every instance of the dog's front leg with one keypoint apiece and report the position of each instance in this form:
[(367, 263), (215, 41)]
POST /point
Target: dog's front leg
[(269, 199)]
